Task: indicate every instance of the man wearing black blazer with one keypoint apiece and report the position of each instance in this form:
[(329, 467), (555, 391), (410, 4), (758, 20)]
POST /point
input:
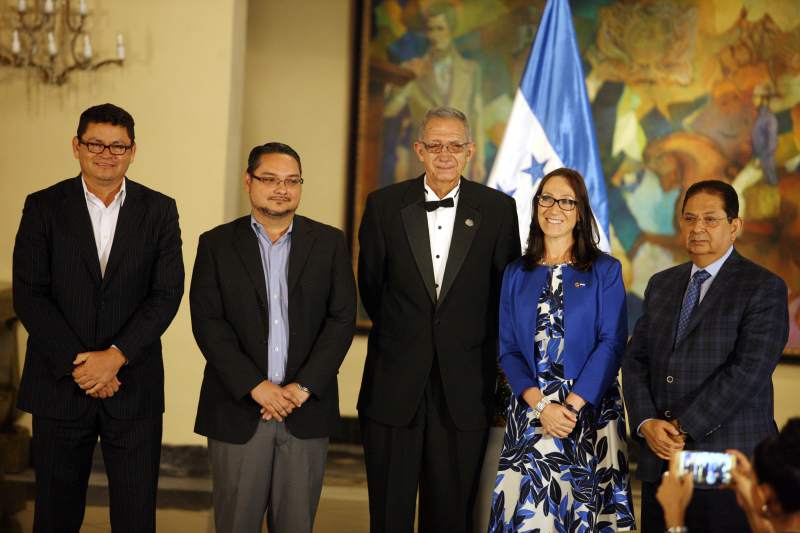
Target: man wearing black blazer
[(432, 254), (98, 277), (273, 304), (698, 370)]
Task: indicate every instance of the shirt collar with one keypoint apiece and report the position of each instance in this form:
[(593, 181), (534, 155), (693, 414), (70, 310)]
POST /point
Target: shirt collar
[(259, 229), (91, 196), (714, 267), (429, 194)]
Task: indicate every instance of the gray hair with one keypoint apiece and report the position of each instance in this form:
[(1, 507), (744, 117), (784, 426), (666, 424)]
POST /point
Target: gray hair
[(444, 112)]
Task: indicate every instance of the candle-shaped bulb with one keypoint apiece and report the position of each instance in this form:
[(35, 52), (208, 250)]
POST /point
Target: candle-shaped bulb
[(120, 47), (16, 46), (82, 7), (51, 44), (87, 47), (22, 6), (48, 7)]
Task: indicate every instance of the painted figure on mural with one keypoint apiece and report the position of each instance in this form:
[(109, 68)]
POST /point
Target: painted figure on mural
[(443, 77)]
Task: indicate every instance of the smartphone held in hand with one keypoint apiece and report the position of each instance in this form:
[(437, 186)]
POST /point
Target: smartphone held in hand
[(709, 469)]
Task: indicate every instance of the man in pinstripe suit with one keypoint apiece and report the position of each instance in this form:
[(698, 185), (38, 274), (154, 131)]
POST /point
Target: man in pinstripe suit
[(697, 373), (98, 276)]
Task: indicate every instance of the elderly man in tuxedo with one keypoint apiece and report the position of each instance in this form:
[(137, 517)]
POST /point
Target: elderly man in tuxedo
[(433, 251), (98, 276), (697, 374)]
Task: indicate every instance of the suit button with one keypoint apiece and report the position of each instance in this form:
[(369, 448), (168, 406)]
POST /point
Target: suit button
[(670, 379), (437, 322), (667, 414), (264, 341)]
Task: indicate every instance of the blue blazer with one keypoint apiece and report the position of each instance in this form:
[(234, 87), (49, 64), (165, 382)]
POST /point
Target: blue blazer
[(595, 326)]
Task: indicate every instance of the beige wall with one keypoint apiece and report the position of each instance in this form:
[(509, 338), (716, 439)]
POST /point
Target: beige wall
[(184, 83)]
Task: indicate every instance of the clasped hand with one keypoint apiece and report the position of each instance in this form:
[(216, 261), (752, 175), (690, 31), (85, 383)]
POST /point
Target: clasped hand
[(278, 402), (663, 438), (96, 372), (557, 420)]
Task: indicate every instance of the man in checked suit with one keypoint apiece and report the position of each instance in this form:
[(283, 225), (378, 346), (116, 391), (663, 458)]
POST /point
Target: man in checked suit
[(98, 276), (698, 371), (432, 255), (273, 310)]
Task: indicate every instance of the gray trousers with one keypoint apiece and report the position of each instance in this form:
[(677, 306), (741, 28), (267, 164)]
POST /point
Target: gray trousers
[(273, 472)]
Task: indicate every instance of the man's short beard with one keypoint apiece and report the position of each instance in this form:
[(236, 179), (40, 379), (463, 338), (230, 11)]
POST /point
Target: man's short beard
[(271, 213)]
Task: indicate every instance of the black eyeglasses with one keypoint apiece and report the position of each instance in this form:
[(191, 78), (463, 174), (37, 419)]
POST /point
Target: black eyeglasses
[(99, 148), (272, 181), (436, 148), (566, 204)]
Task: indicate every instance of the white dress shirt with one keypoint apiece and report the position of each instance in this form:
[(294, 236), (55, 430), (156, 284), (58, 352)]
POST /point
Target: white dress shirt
[(104, 221), (440, 231)]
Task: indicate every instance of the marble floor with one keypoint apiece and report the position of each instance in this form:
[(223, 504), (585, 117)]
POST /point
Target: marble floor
[(184, 504)]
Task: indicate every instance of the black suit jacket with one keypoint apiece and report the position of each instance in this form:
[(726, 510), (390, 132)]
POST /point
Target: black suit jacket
[(718, 380), (67, 308), (410, 325), (229, 319)]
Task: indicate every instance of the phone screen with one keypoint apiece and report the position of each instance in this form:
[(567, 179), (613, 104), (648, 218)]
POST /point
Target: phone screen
[(707, 468)]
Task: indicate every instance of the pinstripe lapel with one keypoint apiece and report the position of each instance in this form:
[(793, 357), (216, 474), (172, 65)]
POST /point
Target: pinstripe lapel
[(128, 227), (76, 220)]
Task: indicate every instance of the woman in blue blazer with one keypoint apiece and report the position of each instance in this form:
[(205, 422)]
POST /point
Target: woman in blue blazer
[(563, 329)]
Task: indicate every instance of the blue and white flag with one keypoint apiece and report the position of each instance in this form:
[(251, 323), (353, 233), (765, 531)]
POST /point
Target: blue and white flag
[(551, 123)]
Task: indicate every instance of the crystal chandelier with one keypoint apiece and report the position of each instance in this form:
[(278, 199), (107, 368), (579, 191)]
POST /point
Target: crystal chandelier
[(53, 40)]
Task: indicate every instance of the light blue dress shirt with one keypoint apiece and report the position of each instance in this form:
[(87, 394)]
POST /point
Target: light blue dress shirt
[(712, 269), (275, 262)]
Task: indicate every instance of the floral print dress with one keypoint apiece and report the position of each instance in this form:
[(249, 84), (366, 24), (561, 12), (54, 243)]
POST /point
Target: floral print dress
[(576, 484)]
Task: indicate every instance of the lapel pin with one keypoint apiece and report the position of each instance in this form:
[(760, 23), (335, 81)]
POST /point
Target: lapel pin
[(469, 223), (579, 284)]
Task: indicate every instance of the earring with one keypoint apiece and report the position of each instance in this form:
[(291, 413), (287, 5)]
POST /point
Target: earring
[(765, 510)]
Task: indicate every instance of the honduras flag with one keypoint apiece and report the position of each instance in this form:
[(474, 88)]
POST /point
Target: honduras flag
[(551, 123)]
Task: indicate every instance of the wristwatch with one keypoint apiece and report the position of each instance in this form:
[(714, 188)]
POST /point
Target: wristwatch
[(537, 411)]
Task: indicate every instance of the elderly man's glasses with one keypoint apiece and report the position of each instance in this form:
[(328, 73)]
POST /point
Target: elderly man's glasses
[(99, 148), (272, 181), (436, 148), (708, 220), (566, 204)]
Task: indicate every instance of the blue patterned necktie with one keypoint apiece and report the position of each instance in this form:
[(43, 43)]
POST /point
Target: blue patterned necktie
[(690, 300)]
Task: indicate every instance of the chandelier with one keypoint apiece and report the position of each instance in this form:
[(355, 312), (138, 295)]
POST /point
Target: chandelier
[(53, 41)]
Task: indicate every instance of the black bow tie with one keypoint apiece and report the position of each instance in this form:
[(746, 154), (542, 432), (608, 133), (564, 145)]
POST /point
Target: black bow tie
[(433, 205)]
